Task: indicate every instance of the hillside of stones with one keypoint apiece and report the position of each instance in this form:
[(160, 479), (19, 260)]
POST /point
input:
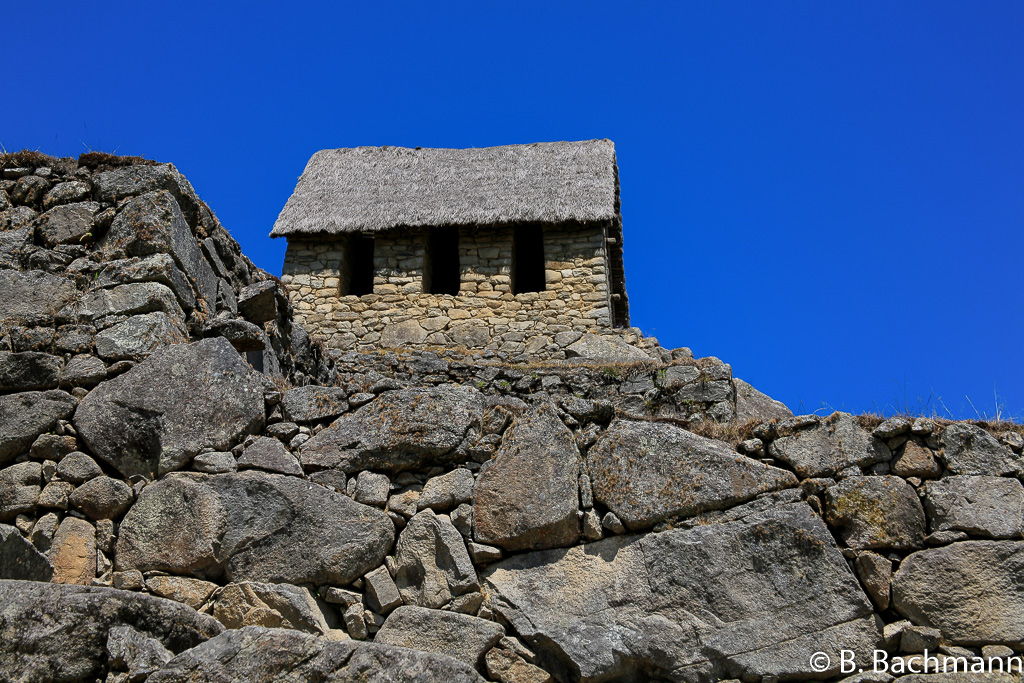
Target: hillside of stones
[(193, 490)]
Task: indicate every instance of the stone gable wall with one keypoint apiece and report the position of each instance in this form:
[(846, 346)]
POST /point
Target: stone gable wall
[(484, 315)]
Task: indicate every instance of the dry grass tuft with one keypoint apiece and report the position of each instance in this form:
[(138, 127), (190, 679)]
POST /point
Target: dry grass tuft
[(26, 158), (96, 160)]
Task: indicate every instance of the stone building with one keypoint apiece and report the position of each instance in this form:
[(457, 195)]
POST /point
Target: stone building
[(515, 248)]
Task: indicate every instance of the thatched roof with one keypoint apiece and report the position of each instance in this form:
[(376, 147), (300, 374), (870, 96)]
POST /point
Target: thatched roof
[(366, 189)]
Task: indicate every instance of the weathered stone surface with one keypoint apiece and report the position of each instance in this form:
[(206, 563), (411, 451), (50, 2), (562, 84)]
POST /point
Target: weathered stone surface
[(33, 295), (67, 224), (875, 573), (66, 192), (972, 591), (153, 268), (528, 495), (916, 461), (506, 666), (458, 636), (138, 336), (981, 506), (153, 223), (397, 335), (399, 430), (312, 403), (29, 190), (830, 447), (78, 467), (876, 512), (257, 302), (604, 348), (267, 453), (272, 605), (83, 371), (55, 495), (29, 371), (29, 414), (20, 485), (750, 597), (252, 526), (192, 592), (155, 417), (968, 449), (262, 654), (14, 245), (381, 592), (60, 633), (243, 335), (102, 498), (130, 299), (73, 552), (646, 472), (752, 404), (433, 564), (447, 490), (214, 462), (19, 559), (372, 489), (139, 654)]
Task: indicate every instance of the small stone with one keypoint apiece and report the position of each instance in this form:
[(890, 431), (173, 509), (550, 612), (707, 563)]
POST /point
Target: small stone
[(138, 653), (875, 573), (447, 491), (459, 636), (42, 532), (268, 454), (917, 639), (105, 536), (466, 604), (592, 530), (381, 592), (192, 592), (55, 495), (73, 552), (1013, 439), (405, 503), (78, 467), (995, 652), (214, 462), (52, 447), (130, 580), (285, 431), (916, 461), (894, 426), (483, 554), (356, 400), (355, 623), (938, 538), (612, 523), (372, 489), (462, 519), (19, 489), (313, 403), (257, 302), (505, 666), (922, 426), (752, 446), (103, 498), (341, 596)]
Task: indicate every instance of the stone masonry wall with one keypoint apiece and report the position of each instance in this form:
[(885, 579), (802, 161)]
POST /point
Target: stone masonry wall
[(484, 315)]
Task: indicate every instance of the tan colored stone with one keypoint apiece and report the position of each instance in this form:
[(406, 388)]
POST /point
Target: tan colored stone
[(73, 552), (192, 592)]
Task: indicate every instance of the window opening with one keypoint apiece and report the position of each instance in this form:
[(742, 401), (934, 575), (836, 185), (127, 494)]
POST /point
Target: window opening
[(528, 259), (441, 268), (362, 266)]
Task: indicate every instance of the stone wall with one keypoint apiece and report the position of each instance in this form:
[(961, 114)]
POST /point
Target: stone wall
[(484, 315)]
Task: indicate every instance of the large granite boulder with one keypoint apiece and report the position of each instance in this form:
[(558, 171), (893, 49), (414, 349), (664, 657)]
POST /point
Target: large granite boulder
[(646, 472), (459, 636), (972, 591), (878, 512), (752, 598), (264, 654), (130, 181), (133, 298), (982, 506), (831, 446), (19, 559), (312, 403), (399, 430), (527, 498), (29, 414), (67, 224), (56, 632), (606, 348), (33, 296), (154, 418), (158, 268), (139, 336), (252, 526), (250, 603), (968, 449)]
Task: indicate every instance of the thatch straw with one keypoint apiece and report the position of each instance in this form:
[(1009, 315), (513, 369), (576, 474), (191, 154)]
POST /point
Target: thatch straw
[(366, 189)]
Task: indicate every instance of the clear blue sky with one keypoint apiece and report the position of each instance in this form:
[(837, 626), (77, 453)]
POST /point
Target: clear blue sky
[(827, 195)]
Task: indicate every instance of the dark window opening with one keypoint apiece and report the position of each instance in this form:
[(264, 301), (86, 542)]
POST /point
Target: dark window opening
[(441, 267), (362, 266), (528, 259)]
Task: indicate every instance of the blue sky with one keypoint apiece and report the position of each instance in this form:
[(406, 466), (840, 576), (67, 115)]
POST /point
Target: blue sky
[(827, 195)]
